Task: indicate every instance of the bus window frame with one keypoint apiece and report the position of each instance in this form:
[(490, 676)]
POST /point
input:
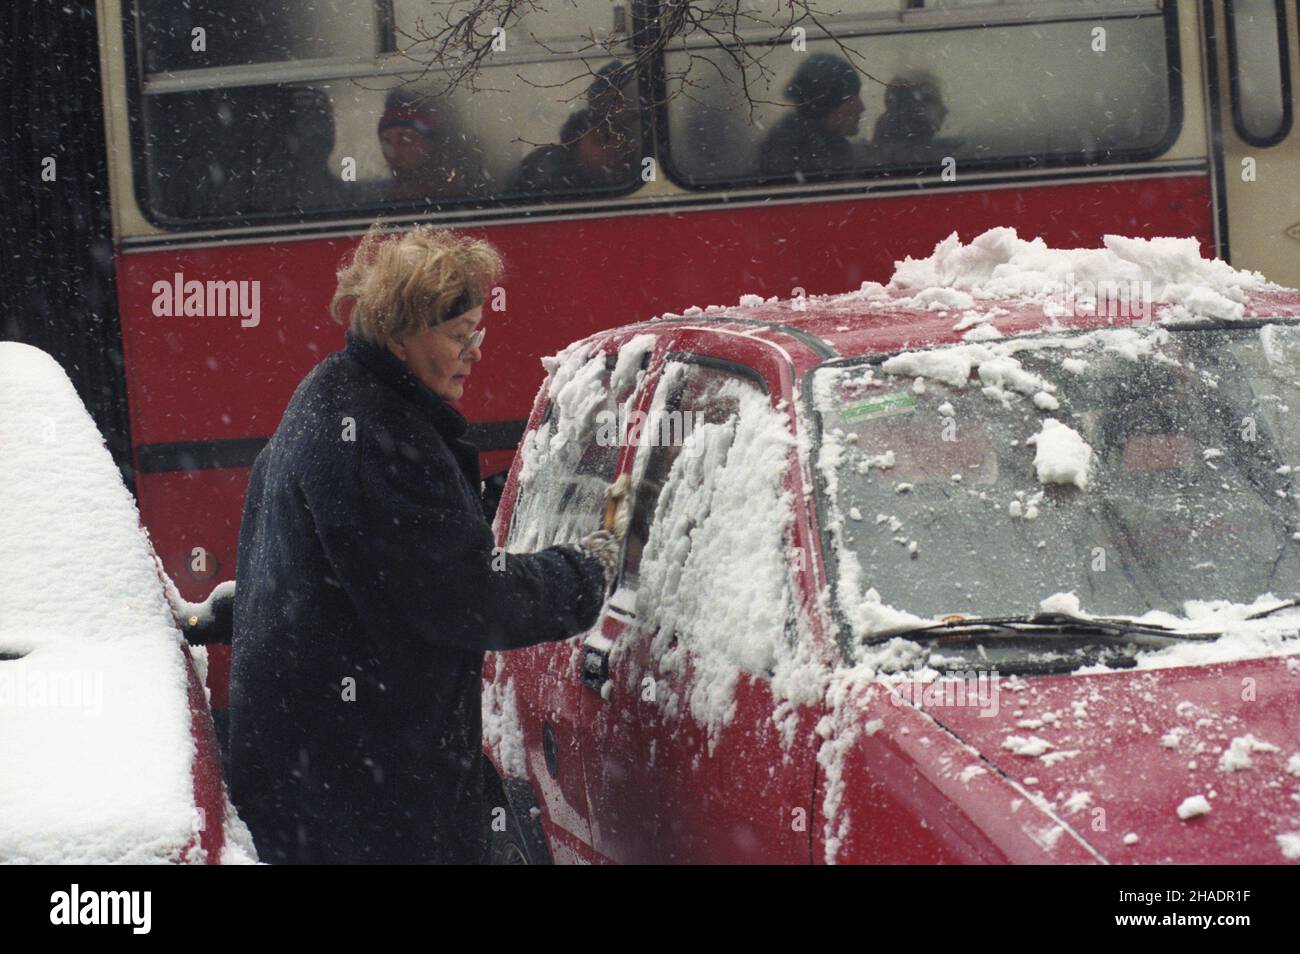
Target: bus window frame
[(335, 68), (1284, 72), (890, 174)]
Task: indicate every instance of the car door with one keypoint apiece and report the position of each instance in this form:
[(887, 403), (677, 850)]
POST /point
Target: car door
[(532, 697), (690, 756)]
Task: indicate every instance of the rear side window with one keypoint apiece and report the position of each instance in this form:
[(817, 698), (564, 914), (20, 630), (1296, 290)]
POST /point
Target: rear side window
[(571, 458)]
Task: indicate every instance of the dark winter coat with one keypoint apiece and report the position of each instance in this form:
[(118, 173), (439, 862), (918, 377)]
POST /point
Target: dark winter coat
[(799, 143), (548, 169), (557, 169), (366, 597)]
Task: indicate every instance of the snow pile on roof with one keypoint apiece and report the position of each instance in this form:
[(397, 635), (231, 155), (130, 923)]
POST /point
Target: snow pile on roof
[(998, 265), (95, 744)]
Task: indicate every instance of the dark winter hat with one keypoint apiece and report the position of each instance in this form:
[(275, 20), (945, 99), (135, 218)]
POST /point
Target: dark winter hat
[(606, 90), (406, 108), (822, 83)]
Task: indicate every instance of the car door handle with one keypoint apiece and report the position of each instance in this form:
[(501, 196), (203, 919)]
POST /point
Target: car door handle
[(595, 662)]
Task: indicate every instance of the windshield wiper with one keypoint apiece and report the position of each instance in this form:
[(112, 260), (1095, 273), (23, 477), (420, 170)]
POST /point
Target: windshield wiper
[(1107, 626), (1273, 609)]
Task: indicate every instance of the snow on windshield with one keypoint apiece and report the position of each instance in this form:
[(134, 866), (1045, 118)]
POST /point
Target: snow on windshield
[(95, 737), (1157, 479)]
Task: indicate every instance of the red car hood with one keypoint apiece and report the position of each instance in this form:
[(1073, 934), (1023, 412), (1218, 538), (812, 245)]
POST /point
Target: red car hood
[(1117, 754)]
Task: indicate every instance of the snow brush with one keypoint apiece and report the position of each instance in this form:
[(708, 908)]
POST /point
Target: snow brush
[(615, 495)]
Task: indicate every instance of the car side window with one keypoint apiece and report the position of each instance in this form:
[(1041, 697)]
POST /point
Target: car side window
[(569, 461), (707, 546), (688, 396)]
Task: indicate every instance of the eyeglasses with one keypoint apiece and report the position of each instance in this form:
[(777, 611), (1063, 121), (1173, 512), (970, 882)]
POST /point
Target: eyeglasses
[(469, 344)]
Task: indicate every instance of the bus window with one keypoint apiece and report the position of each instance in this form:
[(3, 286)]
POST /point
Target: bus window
[(983, 85), (1259, 70), (376, 134), (243, 151)]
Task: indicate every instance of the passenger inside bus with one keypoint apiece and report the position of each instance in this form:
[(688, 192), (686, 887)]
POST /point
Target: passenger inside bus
[(598, 144), (426, 156), (588, 156), (827, 111), (612, 97), (308, 138), (907, 132), (249, 150)]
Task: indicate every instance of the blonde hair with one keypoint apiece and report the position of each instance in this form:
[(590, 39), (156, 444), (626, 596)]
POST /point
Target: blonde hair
[(395, 285)]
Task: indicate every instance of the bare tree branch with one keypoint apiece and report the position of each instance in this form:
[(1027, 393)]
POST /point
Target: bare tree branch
[(455, 44)]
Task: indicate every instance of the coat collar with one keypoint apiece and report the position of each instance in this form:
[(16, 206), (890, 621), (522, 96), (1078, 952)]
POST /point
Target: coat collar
[(384, 365)]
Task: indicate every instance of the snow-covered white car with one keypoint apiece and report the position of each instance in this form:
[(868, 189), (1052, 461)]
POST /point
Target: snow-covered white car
[(993, 563), (107, 750)]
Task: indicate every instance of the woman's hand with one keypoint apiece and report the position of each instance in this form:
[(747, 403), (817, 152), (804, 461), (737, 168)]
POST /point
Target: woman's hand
[(607, 542), (608, 546)]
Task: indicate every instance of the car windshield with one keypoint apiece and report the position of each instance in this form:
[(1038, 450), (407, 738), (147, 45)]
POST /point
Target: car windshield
[(1137, 468)]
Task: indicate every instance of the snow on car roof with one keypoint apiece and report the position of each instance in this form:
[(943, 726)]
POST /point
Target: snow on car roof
[(1001, 285), (95, 743)]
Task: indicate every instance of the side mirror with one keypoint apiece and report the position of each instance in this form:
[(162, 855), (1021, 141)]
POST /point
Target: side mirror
[(213, 620)]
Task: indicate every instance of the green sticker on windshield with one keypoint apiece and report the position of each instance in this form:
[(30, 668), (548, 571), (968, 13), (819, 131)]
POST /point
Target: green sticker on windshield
[(900, 402)]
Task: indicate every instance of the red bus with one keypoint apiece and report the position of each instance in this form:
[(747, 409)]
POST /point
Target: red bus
[(251, 144)]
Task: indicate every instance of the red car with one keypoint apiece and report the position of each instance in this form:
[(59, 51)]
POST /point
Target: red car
[(926, 573), (106, 739)]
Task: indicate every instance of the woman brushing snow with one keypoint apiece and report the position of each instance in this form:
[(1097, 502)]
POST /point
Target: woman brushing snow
[(366, 586)]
